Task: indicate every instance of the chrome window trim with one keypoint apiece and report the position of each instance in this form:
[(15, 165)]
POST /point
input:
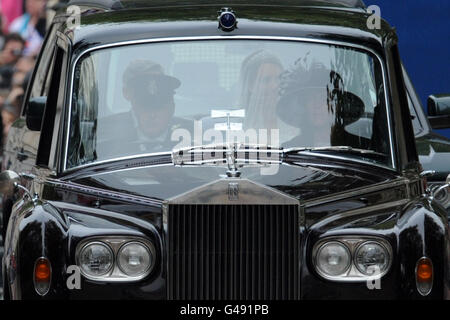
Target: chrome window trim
[(201, 38)]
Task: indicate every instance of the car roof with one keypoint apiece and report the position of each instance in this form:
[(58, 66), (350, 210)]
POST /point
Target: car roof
[(175, 19), (131, 4)]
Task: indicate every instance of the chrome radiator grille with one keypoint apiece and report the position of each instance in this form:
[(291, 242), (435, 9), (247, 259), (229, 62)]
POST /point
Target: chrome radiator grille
[(233, 252)]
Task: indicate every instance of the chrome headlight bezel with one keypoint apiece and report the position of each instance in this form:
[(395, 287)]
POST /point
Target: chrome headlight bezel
[(383, 247), (97, 243), (115, 244), (353, 243), (150, 251), (329, 243)]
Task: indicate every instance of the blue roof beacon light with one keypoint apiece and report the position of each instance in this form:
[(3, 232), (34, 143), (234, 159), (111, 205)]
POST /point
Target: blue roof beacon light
[(227, 19)]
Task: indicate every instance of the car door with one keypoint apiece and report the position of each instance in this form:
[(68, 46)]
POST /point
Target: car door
[(42, 159), (21, 146), (51, 140)]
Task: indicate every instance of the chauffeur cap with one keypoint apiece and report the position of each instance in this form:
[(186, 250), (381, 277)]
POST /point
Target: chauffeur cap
[(149, 84)]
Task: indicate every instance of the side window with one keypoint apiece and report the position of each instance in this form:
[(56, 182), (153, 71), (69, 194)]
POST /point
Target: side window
[(55, 88), (39, 82)]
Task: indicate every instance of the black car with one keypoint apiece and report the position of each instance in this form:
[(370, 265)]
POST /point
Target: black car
[(433, 149), (234, 150)]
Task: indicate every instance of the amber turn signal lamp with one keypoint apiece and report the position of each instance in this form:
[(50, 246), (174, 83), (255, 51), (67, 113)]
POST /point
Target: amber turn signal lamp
[(42, 275), (424, 276), (42, 271), (424, 270)]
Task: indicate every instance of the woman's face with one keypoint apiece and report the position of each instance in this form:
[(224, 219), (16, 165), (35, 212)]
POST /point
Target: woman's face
[(268, 78), (317, 109), (263, 94)]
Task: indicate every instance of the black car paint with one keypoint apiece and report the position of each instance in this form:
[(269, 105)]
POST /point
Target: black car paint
[(433, 149), (339, 197), (65, 222), (434, 154)]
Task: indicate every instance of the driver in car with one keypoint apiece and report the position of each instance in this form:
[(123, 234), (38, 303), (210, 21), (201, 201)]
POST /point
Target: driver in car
[(151, 95)]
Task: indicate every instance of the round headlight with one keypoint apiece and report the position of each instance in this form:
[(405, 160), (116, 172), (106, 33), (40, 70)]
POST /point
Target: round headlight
[(333, 258), (134, 259), (372, 258), (96, 259)]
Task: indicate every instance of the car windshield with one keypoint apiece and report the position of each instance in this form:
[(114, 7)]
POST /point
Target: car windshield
[(156, 97)]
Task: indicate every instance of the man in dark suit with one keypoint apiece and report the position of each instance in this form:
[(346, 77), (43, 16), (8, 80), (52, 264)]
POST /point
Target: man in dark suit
[(150, 122)]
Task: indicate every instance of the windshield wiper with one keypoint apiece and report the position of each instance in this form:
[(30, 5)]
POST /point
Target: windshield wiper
[(238, 155), (219, 154), (337, 149), (223, 154)]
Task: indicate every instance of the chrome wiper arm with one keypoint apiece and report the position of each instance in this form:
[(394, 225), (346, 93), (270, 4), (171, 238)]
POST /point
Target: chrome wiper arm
[(224, 154), (220, 156), (345, 149), (239, 154)]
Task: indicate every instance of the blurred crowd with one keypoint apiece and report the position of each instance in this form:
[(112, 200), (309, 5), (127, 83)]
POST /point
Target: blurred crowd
[(23, 27)]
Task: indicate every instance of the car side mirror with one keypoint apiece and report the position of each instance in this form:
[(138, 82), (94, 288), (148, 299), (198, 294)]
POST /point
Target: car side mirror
[(439, 111), (35, 113), (8, 181)]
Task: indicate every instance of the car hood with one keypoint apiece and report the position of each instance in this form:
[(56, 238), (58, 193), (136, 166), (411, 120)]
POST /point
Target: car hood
[(434, 154), (167, 181)]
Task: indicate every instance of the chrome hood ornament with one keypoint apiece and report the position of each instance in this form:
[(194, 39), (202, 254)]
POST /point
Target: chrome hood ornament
[(228, 127), (232, 171)]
